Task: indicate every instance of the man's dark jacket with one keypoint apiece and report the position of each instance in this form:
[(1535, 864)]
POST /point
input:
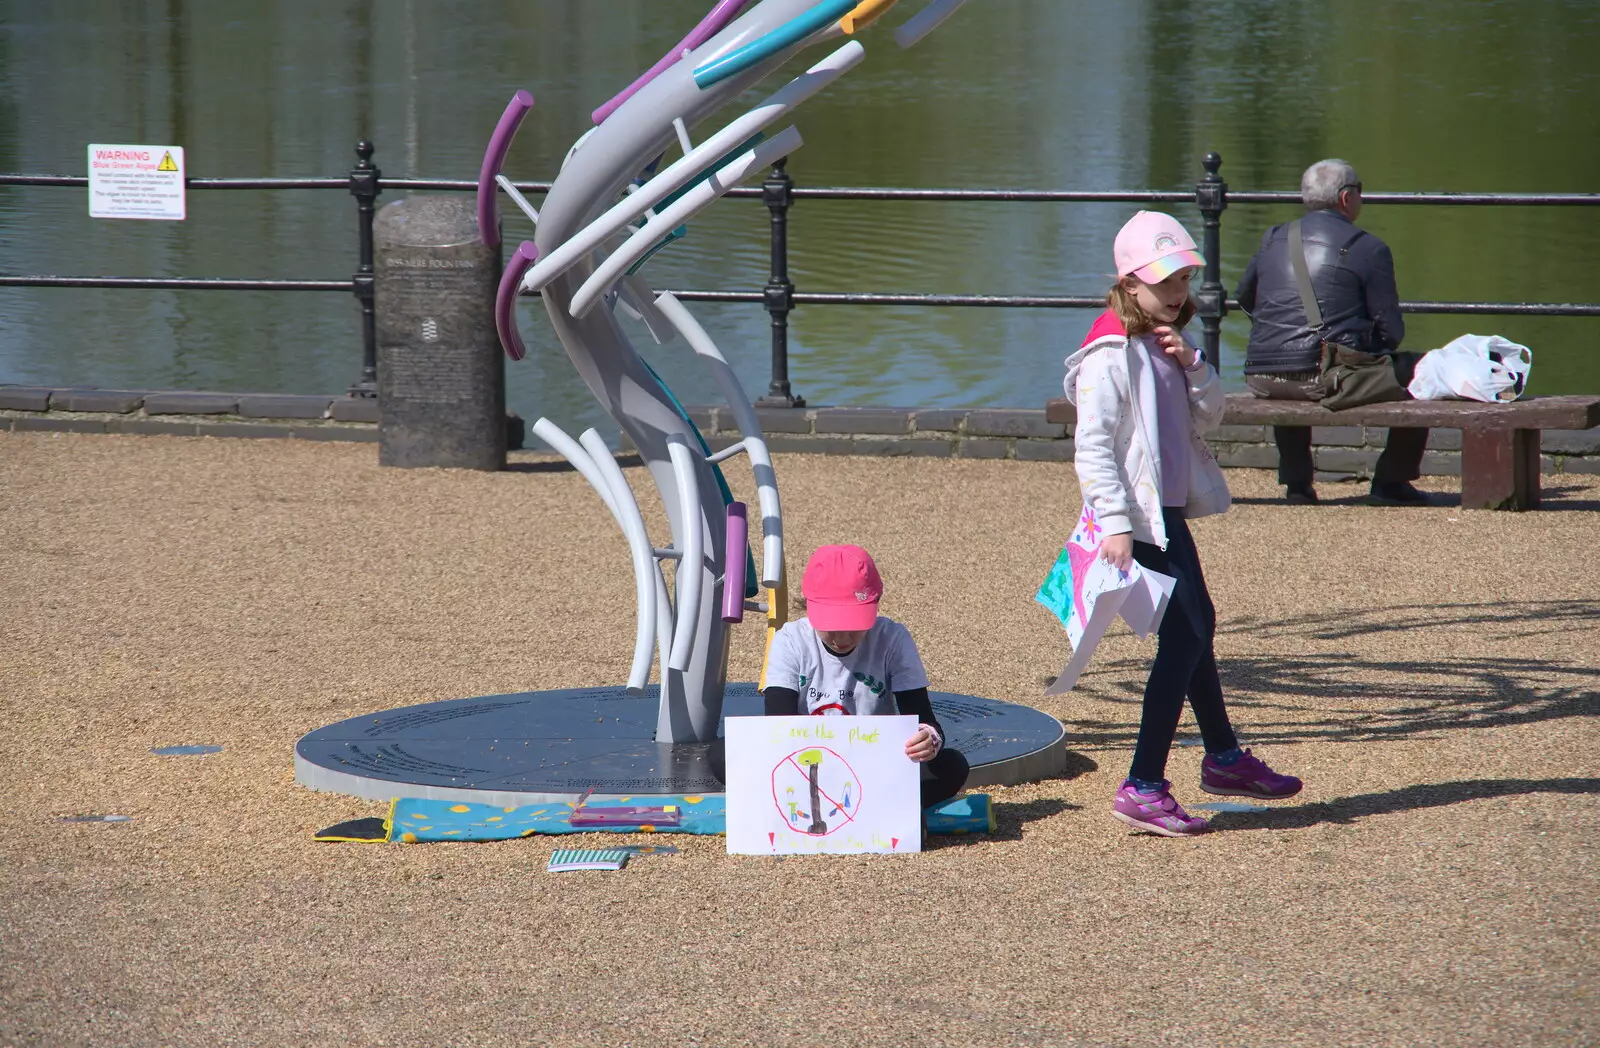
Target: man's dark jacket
[(1352, 273)]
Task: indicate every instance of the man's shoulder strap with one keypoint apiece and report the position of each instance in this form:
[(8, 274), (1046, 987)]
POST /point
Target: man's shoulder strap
[(1302, 277)]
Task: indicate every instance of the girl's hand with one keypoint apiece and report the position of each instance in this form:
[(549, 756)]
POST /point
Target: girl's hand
[(1117, 550), (1172, 343), (923, 744)]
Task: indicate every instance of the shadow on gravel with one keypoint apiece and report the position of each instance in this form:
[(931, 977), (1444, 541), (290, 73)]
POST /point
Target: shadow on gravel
[(1345, 697), (1077, 764), (1561, 497), (563, 466), (1351, 495), (1524, 618), (1009, 819), (1566, 496), (1408, 798)]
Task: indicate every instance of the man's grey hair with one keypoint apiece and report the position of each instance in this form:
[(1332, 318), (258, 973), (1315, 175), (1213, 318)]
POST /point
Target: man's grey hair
[(1320, 185)]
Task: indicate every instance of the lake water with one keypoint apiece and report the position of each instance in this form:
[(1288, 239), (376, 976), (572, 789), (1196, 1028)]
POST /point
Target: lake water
[(1500, 95)]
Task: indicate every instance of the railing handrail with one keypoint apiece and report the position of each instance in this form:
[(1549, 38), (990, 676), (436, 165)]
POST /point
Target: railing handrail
[(834, 298), (779, 296), (1001, 195)]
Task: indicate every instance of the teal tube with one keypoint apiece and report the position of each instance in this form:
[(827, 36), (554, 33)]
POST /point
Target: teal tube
[(763, 48), (752, 584)]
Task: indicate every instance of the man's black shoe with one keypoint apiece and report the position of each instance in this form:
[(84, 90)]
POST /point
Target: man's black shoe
[(1300, 495), (1401, 493)]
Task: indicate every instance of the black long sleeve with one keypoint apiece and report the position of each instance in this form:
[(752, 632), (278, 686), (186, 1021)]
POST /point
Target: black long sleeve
[(1383, 301), (1248, 283), (781, 702), (917, 701)]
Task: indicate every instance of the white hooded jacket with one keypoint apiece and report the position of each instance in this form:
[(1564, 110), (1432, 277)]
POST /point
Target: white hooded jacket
[(1117, 443)]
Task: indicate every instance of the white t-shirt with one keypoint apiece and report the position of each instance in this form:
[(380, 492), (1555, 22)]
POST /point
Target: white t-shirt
[(861, 683)]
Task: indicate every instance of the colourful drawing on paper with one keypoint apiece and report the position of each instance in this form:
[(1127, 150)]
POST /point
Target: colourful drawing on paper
[(808, 781), (821, 785), (1077, 578), (1085, 592)]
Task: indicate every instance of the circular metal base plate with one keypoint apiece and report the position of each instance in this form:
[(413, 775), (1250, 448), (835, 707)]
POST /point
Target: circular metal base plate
[(535, 747)]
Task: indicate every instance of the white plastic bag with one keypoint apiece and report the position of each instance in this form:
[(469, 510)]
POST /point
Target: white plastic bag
[(1473, 367)]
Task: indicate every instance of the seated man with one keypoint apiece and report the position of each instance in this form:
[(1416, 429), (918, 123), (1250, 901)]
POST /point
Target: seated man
[(843, 658), (1352, 276)]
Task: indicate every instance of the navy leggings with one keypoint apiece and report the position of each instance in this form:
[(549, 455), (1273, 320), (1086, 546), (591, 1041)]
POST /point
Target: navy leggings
[(1186, 664)]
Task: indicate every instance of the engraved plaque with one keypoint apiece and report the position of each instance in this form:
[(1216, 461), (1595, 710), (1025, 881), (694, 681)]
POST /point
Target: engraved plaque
[(441, 376), (579, 739)]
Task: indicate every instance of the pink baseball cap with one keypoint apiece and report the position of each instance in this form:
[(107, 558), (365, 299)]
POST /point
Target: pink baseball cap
[(1152, 246), (841, 587)]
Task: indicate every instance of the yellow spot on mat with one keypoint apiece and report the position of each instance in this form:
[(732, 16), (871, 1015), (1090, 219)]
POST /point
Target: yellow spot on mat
[(459, 807)]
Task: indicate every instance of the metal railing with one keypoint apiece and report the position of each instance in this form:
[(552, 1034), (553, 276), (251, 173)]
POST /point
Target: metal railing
[(778, 296)]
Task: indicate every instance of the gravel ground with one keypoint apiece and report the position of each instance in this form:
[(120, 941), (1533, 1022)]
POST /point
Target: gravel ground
[(1433, 674)]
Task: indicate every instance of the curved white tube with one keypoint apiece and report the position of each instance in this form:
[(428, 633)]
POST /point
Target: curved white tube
[(692, 567), (516, 195), (744, 414), (925, 21), (570, 450), (687, 167), (644, 562), (680, 211), (736, 448)]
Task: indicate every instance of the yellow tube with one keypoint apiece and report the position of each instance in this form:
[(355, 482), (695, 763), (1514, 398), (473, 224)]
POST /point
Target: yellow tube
[(864, 14), (777, 615)]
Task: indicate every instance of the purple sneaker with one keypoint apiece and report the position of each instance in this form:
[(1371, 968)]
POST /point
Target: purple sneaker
[(1156, 812), (1246, 777)]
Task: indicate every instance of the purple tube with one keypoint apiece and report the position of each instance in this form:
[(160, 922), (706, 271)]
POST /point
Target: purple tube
[(607, 817), (733, 555), (709, 26), (505, 299), (493, 158)]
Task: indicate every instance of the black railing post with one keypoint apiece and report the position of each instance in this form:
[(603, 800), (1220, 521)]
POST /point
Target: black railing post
[(778, 295), (1211, 194), (365, 188)]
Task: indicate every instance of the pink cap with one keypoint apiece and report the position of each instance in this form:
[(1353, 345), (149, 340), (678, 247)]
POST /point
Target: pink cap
[(841, 587), (1152, 246)]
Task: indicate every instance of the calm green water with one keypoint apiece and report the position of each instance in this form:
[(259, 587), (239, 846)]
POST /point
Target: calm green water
[(1054, 94)]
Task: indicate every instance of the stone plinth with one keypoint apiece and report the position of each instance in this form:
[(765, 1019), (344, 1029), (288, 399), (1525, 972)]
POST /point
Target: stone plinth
[(441, 377)]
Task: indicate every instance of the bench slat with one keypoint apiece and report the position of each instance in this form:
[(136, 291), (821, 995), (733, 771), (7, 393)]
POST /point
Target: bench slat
[(1577, 411)]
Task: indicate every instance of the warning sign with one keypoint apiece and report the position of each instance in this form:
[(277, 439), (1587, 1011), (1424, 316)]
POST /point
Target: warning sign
[(136, 182)]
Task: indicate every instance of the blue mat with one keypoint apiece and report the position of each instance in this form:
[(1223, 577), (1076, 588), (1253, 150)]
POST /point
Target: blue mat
[(413, 820)]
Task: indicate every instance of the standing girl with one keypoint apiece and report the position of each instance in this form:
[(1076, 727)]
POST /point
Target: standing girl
[(1144, 394)]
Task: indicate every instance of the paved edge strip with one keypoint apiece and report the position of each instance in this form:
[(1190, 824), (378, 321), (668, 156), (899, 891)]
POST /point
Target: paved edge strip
[(1021, 434)]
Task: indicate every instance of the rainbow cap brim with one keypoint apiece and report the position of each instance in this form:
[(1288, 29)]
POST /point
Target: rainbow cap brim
[(1164, 267)]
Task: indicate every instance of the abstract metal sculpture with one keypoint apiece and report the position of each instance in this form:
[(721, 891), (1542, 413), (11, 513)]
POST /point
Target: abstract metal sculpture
[(608, 210)]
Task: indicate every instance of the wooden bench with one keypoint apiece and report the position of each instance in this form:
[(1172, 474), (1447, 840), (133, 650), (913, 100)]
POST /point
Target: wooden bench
[(1499, 442)]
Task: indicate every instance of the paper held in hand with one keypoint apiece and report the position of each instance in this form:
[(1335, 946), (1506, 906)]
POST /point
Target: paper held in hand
[(1086, 593), (808, 785)]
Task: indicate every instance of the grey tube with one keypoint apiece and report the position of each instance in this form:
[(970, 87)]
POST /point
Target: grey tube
[(592, 179)]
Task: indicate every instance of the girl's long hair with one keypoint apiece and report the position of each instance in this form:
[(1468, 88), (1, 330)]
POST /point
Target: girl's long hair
[(1136, 321)]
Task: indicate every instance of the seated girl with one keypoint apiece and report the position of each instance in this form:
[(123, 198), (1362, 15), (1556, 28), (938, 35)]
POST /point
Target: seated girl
[(843, 658)]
